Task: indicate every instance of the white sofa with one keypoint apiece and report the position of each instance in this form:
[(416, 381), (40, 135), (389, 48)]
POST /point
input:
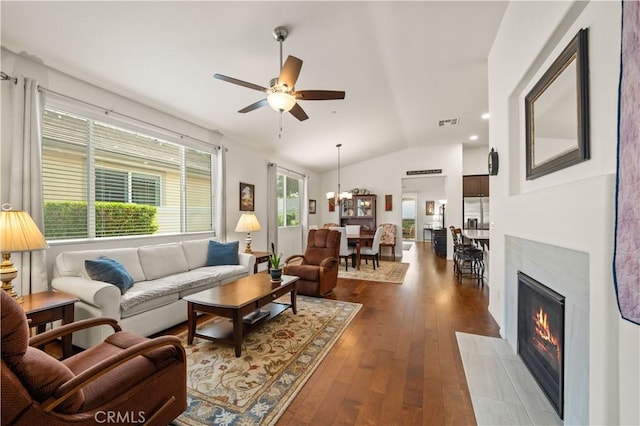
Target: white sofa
[(162, 274)]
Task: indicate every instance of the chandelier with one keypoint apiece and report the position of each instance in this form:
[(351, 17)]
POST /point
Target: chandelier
[(339, 195)]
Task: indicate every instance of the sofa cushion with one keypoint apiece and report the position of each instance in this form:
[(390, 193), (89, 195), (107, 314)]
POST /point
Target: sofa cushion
[(196, 252), (161, 260), (109, 271), (137, 304), (169, 285), (71, 263), (222, 253)]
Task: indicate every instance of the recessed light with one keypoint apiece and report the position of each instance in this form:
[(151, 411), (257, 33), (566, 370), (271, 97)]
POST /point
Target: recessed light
[(486, 116), (473, 137)]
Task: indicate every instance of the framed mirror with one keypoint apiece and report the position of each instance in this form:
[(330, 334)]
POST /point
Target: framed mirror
[(557, 112)]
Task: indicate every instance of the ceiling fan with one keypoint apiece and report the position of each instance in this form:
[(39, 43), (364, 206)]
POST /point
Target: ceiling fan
[(281, 93)]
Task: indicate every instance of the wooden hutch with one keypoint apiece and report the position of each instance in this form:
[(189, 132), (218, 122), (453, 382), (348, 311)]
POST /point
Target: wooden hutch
[(359, 210)]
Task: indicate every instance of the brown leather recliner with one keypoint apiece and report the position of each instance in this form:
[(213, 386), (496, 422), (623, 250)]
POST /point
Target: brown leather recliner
[(127, 379), (318, 267)]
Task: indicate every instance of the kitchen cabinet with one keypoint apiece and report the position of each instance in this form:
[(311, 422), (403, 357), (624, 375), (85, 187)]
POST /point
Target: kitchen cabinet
[(359, 210), (475, 186)]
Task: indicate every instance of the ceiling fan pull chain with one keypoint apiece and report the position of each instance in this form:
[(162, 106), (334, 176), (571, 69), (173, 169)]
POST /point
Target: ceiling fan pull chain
[(280, 133)]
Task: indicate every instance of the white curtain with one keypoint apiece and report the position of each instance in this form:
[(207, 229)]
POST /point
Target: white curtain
[(221, 202), (25, 179), (304, 219), (272, 205)]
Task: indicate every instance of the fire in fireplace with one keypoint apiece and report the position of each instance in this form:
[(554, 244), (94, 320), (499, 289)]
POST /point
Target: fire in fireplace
[(541, 337)]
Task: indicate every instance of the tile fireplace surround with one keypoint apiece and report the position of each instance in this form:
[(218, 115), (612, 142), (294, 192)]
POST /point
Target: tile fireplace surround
[(567, 272)]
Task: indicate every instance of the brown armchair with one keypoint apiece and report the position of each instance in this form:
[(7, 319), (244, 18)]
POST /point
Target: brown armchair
[(318, 267), (127, 378)]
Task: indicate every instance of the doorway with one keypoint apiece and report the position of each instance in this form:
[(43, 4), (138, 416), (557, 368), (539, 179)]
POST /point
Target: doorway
[(409, 216), (426, 194)]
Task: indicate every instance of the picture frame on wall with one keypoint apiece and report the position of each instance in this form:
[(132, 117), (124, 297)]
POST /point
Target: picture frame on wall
[(247, 197), (430, 208), (312, 206), (388, 202)]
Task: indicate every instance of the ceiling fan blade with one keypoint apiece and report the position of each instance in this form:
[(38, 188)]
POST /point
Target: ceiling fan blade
[(290, 71), (318, 95), (240, 82), (253, 106), (298, 112)]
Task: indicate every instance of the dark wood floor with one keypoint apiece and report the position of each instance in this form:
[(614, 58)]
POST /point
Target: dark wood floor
[(398, 362)]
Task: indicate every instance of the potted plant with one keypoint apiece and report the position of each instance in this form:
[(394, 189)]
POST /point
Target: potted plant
[(275, 268)]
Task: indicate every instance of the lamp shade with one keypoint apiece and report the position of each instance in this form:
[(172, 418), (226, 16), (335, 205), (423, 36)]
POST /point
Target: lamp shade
[(281, 101), (248, 223), (18, 232)]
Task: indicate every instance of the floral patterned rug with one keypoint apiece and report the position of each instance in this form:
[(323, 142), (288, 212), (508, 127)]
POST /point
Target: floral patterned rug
[(277, 359), (391, 272)]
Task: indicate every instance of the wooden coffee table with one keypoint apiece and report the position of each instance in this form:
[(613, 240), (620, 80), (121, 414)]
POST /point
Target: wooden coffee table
[(240, 301)]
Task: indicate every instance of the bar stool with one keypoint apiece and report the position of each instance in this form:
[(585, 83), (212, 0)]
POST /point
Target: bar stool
[(468, 261)]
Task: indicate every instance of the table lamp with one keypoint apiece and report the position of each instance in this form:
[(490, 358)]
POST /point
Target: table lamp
[(18, 233), (248, 223)]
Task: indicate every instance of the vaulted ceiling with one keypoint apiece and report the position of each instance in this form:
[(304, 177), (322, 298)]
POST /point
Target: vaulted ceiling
[(404, 66)]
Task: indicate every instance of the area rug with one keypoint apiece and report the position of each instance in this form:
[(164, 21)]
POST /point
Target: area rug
[(407, 246), (390, 272), (277, 359)]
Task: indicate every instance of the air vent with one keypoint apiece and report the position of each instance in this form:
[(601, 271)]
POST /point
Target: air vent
[(448, 122)]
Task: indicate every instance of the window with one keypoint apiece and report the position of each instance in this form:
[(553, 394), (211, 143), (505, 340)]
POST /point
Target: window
[(289, 199), (101, 180), (127, 187)]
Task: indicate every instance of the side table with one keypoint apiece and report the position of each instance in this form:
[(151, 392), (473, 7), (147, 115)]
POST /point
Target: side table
[(48, 306), (261, 257)]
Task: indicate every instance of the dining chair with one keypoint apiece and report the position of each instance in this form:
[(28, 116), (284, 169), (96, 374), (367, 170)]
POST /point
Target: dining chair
[(345, 250), (389, 237), (353, 229), (373, 252)]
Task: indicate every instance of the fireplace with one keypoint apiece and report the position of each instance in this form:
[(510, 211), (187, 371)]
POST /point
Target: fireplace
[(541, 337)]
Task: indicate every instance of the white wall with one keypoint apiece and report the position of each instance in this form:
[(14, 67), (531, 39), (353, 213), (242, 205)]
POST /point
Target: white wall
[(244, 163), (574, 207), (383, 175), (474, 161)]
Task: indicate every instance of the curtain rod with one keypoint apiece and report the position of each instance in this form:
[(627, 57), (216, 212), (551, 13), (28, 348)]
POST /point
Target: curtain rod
[(4, 76), (288, 170), (111, 111)]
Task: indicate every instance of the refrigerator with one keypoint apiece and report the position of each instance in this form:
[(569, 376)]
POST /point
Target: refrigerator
[(475, 213)]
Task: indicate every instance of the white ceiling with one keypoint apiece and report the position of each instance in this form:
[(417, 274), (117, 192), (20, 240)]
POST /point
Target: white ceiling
[(403, 65)]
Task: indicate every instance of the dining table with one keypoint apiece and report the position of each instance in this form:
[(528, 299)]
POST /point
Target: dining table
[(362, 239)]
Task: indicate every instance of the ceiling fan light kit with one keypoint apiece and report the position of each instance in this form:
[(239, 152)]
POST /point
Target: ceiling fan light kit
[(281, 101), (281, 93)]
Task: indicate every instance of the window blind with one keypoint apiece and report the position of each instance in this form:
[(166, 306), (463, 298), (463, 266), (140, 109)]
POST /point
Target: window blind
[(102, 180)]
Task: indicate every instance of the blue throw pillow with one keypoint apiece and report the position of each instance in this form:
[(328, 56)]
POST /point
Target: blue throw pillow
[(109, 271), (222, 253)]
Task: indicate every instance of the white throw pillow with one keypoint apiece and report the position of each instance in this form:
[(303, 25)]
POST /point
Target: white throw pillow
[(71, 263), (196, 252), (161, 260)]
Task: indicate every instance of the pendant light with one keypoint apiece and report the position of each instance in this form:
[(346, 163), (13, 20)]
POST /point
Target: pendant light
[(339, 196)]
